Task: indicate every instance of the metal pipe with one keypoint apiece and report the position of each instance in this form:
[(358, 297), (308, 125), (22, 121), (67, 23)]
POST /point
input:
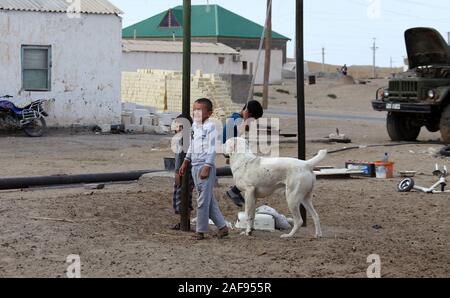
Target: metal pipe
[(185, 220), (300, 90), (27, 182)]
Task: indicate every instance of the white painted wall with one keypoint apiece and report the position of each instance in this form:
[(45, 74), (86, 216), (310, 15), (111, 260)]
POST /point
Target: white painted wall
[(207, 63), (86, 58), (276, 65)]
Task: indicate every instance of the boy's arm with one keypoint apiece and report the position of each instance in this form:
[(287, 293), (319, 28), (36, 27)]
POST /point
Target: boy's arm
[(211, 150), (178, 162), (189, 152)]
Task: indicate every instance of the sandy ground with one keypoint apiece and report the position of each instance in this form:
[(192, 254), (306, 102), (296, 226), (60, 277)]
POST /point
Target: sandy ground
[(122, 231)]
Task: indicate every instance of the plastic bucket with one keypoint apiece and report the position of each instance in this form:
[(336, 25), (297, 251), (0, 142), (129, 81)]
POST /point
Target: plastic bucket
[(384, 170), (169, 164)]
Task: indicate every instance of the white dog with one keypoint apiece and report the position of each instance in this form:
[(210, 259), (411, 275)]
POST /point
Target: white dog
[(259, 177)]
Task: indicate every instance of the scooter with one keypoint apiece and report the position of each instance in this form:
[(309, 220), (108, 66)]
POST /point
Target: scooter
[(29, 118), (408, 184)]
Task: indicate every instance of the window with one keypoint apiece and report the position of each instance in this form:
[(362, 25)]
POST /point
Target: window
[(221, 60), (244, 65), (36, 68)]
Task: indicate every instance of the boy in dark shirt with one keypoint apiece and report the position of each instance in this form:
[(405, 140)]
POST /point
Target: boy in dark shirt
[(253, 109)]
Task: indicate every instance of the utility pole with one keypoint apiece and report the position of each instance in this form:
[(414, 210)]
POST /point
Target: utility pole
[(300, 90), (391, 63), (449, 38), (186, 95), (268, 52), (323, 59), (374, 49)]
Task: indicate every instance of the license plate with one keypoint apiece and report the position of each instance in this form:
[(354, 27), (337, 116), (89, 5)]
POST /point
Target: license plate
[(393, 106)]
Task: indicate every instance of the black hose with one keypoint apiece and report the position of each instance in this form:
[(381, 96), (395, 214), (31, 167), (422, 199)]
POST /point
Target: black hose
[(27, 182)]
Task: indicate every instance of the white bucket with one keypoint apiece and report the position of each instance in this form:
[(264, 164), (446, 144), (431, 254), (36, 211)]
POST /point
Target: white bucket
[(263, 222)]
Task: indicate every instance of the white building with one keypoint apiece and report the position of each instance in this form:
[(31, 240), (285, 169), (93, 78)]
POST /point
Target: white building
[(211, 58), (276, 65), (74, 58), (214, 24)]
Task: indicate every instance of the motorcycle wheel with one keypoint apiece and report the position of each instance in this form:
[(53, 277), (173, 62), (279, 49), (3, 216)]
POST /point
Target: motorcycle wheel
[(406, 185), (36, 128)]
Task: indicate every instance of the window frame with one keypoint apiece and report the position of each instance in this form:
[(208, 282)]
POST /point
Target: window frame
[(48, 69)]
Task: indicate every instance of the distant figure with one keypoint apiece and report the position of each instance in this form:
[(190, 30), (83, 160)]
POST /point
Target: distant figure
[(344, 70)]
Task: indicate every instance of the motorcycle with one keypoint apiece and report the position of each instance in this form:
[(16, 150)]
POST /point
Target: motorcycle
[(29, 118)]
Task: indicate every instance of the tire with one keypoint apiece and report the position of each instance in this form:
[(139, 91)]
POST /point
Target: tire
[(402, 127), (445, 125), (406, 185), (36, 128), (432, 127), (445, 151)]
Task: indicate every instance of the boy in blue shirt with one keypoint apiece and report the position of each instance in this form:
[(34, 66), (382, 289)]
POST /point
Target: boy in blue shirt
[(253, 109)]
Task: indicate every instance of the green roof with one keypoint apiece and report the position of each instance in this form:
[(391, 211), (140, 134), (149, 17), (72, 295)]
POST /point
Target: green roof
[(207, 21)]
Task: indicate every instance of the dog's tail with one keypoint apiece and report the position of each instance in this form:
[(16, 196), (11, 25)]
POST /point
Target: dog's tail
[(317, 159)]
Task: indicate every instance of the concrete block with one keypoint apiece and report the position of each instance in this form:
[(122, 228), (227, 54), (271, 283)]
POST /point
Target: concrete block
[(106, 128), (139, 115), (126, 118), (133, 128), (150, 129)]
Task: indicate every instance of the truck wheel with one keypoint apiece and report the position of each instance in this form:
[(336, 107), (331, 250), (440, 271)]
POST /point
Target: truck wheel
[(445, 125), (432, 127), (402, 127)]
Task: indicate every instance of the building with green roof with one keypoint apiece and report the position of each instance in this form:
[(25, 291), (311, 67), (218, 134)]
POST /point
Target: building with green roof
[(210, 23)]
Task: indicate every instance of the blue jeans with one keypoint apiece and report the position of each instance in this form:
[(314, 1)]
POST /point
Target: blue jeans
[(207, 206)]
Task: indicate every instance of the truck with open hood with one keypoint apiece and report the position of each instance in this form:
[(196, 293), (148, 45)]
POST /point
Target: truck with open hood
[(421, 98)]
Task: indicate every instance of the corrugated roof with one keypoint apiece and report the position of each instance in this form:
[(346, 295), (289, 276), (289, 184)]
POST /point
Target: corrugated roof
[(175, 47), (60, 6), (207, 21)]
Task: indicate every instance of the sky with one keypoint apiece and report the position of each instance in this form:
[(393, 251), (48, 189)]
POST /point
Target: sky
[(345, 28)]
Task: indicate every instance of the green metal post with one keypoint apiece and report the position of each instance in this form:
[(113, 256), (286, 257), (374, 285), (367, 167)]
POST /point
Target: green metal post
[(300, 90), (185, 212)]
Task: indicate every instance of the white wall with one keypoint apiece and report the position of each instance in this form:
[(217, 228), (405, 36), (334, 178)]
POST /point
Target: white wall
[(276, 65), (207, 63), (86, 56)]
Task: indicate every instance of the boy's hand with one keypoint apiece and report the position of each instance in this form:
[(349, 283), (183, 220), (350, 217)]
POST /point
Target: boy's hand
[(183, 168), (177, 179), (204, 174)]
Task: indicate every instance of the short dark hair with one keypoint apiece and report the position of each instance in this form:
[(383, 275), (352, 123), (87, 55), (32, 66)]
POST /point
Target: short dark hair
[(255, 108), (208, 103), (183, 117)]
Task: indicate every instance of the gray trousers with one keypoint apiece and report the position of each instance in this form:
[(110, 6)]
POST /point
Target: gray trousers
[(207, 206)]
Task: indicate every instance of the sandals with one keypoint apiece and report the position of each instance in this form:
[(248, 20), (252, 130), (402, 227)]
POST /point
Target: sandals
[(222, 233), (199, 237)]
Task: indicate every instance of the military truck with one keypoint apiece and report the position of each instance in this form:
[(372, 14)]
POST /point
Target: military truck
[(421, 96)]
